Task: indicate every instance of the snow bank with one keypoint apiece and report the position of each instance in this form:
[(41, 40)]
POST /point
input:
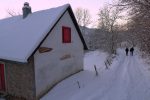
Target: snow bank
[(94, 58), (69, 87)]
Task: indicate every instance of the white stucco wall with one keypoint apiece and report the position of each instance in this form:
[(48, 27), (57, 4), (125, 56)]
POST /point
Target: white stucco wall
[(49, 69)]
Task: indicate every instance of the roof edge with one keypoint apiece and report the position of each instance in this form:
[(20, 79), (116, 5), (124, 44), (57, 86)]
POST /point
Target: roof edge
[(77, 27), (69, 9)]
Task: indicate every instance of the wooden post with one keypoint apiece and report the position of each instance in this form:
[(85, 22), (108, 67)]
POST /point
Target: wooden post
[(106, 65), (108, 62), (78, 84), (96, 70)]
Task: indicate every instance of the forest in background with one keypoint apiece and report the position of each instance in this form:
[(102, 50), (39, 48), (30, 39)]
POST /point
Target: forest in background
[(109, 34)]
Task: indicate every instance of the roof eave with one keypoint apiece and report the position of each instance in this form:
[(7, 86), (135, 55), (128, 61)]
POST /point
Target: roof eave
[(69, 9), (77, 27)]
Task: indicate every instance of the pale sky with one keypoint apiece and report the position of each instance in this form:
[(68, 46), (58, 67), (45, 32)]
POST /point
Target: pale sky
[(16, 5)]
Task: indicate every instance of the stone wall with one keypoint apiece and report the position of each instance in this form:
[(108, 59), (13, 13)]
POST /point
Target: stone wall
[(20, 79)]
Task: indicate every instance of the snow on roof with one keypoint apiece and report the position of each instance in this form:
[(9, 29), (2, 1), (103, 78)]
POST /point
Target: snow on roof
[(19, 37)]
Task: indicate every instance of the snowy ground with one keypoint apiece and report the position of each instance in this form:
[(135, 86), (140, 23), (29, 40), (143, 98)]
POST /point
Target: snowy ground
[(126, 79)]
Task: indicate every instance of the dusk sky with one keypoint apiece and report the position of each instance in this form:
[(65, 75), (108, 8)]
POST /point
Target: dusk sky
[(16, 5)]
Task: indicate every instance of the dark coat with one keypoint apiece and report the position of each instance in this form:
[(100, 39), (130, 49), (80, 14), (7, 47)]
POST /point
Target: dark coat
[(131, 49), (126, 49)]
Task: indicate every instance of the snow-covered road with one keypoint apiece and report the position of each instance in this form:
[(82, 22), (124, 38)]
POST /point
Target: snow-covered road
[(126, 79)]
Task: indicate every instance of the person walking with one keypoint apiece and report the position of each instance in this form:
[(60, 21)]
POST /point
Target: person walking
[(126, 50), (131, 51)]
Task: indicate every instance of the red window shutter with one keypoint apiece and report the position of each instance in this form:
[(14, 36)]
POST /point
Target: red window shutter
[(2, 78), (66, 34)]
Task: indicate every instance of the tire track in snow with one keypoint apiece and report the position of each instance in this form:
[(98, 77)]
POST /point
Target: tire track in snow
[(108, 83), (123, 81), (120, 85), (139, 89)]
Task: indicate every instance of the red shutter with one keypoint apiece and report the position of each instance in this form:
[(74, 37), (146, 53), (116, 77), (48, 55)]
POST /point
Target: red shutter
[(66, 34), (2, 78)]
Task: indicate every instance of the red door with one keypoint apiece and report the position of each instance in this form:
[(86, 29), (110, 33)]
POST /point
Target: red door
[(2, 78)]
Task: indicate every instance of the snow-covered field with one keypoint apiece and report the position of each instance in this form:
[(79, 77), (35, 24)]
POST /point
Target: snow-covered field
[(126, 79)]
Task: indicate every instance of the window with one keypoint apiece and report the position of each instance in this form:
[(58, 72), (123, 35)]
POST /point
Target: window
[(66, 34)]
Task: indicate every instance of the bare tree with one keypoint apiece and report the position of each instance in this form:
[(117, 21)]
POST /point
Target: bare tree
[(79, 15), (12, 13), (139, 23), (108, 21), (86, 17), (104, 18), (108, 17), (83, 17)]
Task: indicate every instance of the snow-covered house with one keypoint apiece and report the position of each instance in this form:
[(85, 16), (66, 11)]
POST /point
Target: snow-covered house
[(38, 50)]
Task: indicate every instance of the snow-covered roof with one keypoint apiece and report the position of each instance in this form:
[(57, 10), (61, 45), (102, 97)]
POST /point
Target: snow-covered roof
[(20, 37)]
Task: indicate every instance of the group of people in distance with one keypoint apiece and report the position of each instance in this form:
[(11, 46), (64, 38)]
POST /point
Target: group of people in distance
[(131, 51)]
